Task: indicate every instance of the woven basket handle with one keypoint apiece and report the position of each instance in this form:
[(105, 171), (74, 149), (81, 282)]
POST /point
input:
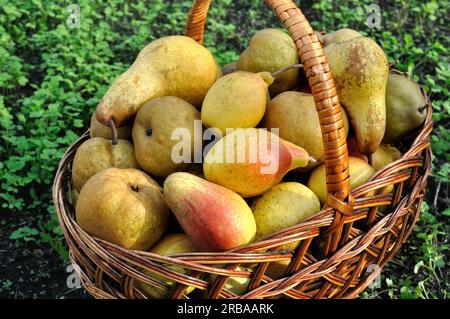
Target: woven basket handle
[(323, 90)]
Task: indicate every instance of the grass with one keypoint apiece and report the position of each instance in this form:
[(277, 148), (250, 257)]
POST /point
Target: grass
[(51, 78)]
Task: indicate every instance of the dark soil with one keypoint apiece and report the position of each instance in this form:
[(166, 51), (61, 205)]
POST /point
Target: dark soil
[(29, 269)]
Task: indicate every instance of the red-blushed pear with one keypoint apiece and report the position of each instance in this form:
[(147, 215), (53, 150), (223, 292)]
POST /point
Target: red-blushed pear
[(214, 217), (251, 161)]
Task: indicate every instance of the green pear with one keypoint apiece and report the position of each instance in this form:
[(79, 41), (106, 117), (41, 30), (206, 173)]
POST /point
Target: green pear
[(405, 107), (170, 66), (153, 129), (384, 155), (236, 100), (337, 36), (360, 172), (97, 154), (285, 205), (271, 50), (360, 70), (123, 206), (168, 245), (295, 115)]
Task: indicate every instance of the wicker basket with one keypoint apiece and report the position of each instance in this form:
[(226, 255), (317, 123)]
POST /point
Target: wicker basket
[(358, 230)]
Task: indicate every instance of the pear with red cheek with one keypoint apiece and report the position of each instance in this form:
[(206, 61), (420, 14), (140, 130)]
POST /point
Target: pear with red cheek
[(251, 161), (214, 217)]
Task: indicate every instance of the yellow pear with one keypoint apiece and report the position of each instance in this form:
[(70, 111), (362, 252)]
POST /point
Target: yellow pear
[(405, 107), (384, 155), (271, 50), (97, 129), (168, 245), (236, 100), (360, 173), (123, 206), (360, 70), (97, 154), (251, 161), (337, 36), (153, 130), (295, 115), (285, 205), (170, 66)]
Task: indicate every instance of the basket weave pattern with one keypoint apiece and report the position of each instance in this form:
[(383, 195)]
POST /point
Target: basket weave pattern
[(359, 229)]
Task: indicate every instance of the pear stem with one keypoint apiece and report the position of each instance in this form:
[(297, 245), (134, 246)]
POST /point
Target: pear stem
[(292, 66), (112, 125)]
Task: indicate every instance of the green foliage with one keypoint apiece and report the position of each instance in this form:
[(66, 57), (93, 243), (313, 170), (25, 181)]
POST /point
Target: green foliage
[(52, 77)]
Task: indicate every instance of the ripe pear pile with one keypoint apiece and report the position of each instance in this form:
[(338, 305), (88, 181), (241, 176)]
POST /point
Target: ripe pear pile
[(243, 185)]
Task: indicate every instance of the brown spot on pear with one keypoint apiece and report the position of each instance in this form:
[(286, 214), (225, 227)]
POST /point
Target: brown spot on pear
[(360, 70)]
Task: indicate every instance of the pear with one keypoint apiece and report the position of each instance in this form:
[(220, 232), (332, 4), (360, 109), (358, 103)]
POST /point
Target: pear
[(271, 50), (97, 129), (97, 154), (229, 68), (170, 66), (251, 161), (285, 205), (360, 70), (337, 36), (384, 155), (168, 245), (203, 209), (295, 115), (360, 173), (153, 129), (123, 206), (405, 107), (237, 100)]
